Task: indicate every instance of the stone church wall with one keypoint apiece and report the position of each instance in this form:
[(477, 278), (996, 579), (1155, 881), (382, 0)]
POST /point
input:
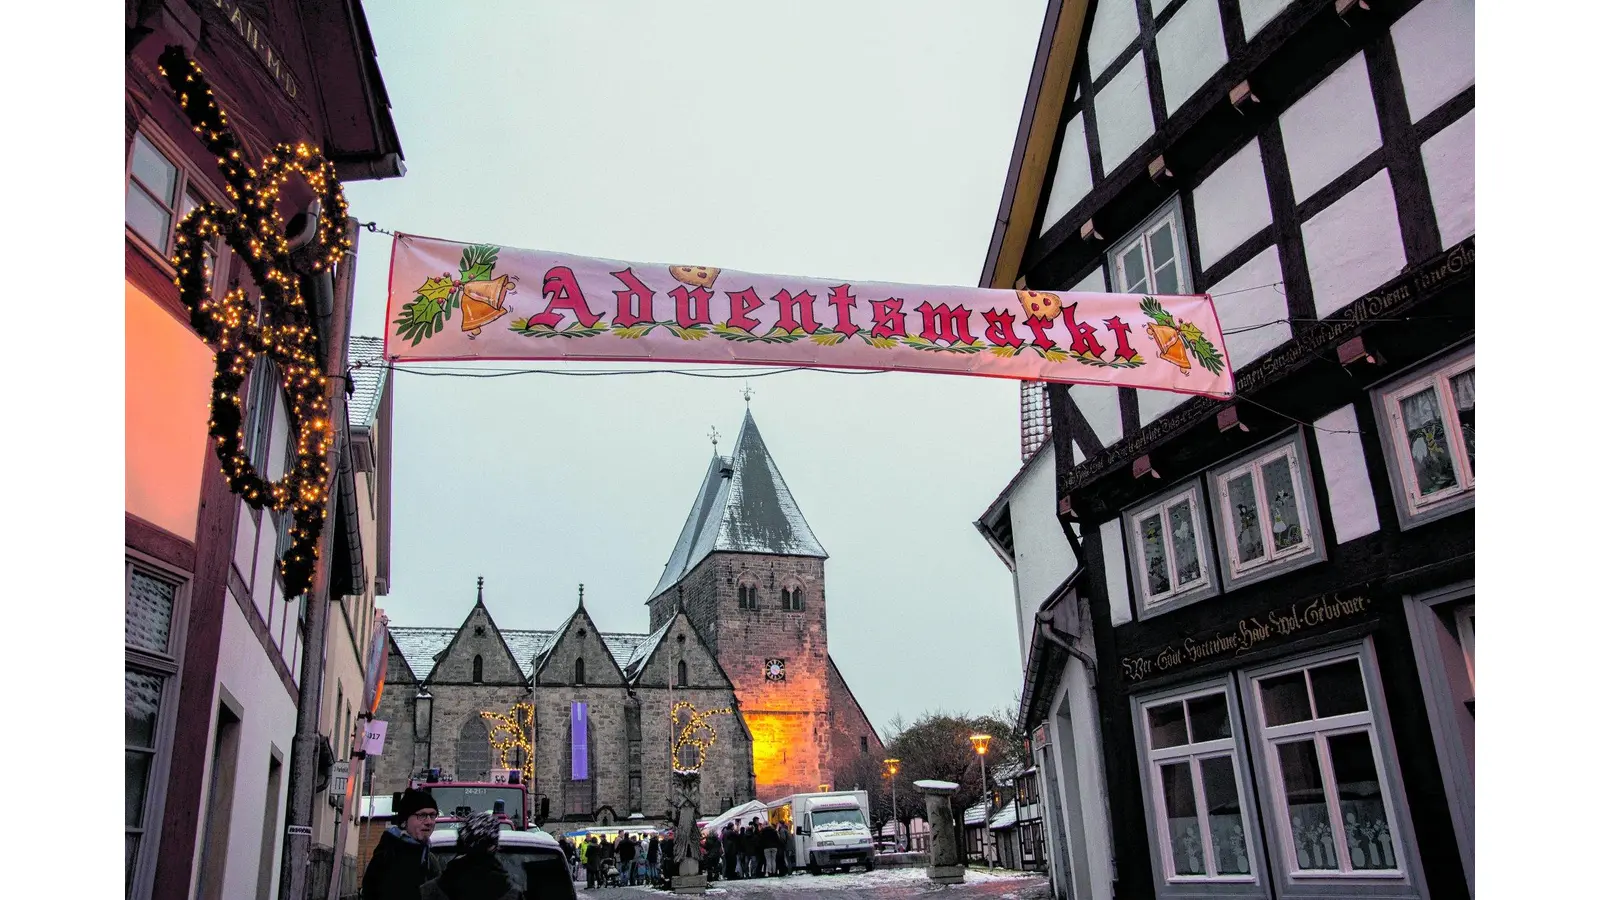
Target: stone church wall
[(849, 726)]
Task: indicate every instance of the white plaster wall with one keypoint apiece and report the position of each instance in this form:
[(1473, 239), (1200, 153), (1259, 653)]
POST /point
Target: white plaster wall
[(1072, 180), (262, 584), (1354, 245), (1155, 404), (1190, 50), (1250, 296), (1101, 409), (267, 722), (1116, 24), (1434, 43), (1122, 114), (1344, 471), (1449, 157), (1044, 557), (1258, 13), (1331, 128), (1116, 572), (1231, 205), (1091, 778), (1094, 282)]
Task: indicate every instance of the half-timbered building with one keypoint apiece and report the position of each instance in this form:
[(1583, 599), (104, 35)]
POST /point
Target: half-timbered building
[(1252, 677)]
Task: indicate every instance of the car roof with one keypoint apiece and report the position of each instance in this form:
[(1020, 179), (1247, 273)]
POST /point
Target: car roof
[(446, 837)]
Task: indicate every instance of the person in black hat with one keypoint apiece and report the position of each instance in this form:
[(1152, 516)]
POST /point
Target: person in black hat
[(477, 873), (402, 862)]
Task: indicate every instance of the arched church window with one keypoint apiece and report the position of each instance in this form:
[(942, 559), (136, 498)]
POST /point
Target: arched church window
[(747, 596), (472, 750), (477, 670), (683, 673), (577, 672), (793, 597)]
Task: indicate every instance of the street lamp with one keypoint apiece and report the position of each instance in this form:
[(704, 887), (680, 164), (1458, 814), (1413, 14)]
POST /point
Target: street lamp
[(980, 743), (893, 767)]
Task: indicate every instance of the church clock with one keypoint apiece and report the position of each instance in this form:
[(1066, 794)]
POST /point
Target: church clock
[(774, 669)]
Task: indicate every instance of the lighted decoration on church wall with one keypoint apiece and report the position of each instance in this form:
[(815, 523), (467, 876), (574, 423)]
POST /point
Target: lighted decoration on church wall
[(693, 735), (284, 331), (512, 732), (453, 301)]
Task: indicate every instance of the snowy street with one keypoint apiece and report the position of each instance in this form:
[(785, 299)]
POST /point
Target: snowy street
[(907, 882)]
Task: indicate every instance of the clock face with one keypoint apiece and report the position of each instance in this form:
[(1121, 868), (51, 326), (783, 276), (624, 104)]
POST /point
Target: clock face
[(774, 670)]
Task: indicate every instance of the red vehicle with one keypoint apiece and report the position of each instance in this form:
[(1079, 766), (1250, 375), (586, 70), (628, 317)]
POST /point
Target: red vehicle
[(457, 800)]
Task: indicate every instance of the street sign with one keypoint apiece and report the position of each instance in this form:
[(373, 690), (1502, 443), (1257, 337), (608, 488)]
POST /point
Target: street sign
[(299, 830), (377, 731), (339, 778)]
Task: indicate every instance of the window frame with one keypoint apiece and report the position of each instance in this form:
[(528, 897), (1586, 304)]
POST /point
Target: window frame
[(1410, 506), (1402, 881), (168, 666), (188, 183), (1169, 212), (1207, 587), (1314, 548)]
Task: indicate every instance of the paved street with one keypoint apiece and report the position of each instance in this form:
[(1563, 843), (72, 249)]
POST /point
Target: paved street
[(909, 882)]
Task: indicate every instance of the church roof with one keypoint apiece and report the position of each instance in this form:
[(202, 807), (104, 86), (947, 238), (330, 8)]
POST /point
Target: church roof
[(743, 506), (419, 646), (641, 653)]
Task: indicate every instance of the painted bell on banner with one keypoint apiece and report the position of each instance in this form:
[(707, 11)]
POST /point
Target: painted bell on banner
[(1170, 342), (482, 302)]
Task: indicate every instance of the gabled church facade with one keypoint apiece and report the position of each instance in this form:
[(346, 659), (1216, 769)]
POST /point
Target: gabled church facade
[(737, 622)]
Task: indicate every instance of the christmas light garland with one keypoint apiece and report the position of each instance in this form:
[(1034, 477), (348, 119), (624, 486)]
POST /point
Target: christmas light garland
[(510, 734), (687, 737), (284, 331)]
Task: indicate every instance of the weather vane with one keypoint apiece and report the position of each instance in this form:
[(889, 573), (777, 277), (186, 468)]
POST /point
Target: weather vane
[(714, 436), (747, 392)]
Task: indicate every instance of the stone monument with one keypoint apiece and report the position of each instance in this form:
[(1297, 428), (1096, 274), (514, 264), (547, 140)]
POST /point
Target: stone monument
[(686, 833), (945, 865)]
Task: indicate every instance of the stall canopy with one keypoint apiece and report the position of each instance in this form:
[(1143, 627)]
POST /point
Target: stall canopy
[(738, 813)]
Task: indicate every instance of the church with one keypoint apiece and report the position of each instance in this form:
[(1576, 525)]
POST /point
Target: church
[(737, 628)]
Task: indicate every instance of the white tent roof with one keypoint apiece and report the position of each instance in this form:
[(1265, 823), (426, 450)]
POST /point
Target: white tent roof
[(743, 811)]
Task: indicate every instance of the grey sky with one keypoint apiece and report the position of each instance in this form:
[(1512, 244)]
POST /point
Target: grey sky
[(855, 140)]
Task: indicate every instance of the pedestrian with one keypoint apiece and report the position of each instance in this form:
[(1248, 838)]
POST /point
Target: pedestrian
[(730, 852), (591, 862), (751, 850), (653, 859), (626, 851), (713, 855), (476, 873), (402, 860), (783, 849), (769, 844)]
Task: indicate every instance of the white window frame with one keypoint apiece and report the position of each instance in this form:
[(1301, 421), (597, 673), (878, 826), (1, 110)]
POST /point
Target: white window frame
[(1175, 596), (1320, 729), (169, 666), (188, 187), (1195, 754), (1170, 213), (1389, 398), (1466, 630), (1272, 561)]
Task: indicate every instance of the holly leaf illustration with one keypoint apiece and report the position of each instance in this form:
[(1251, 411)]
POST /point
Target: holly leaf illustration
[(477, 261), (435, 289), (1003, 351), (1151, 307)]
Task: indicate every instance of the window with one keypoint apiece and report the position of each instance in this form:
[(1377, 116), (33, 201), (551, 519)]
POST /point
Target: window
[(1153, 259), (155, 615), (160, 194), (577, 672), (1202, 830), (1170, 549), (472, 750), (863, 743), (477, 670), (793, 597), (683, 673), (747, 595), (1467, 628), (1266, 514), (1430, 432)]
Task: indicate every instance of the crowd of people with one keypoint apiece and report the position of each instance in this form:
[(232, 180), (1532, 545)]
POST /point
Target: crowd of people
[(629, 860)]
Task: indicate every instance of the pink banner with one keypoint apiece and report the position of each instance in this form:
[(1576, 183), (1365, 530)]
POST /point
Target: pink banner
[(453, 301)]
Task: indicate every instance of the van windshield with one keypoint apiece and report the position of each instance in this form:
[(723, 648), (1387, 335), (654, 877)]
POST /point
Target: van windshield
[(836, 819), (456, 801)]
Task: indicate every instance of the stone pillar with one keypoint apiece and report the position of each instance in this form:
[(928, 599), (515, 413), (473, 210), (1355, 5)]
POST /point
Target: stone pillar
[(945, 864)]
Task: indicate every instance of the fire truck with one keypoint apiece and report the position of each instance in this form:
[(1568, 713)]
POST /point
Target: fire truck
[(504, 794)]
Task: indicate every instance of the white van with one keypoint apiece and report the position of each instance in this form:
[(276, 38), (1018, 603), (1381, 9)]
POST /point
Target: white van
[(827, 832)]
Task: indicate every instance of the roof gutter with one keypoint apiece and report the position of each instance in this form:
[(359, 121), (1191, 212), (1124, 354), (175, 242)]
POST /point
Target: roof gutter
[(1059, 39)]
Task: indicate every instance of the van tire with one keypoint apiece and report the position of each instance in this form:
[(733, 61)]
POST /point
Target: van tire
[(813, 869)]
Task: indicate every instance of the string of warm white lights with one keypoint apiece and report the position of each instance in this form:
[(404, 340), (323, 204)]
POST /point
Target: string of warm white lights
[(689, 735), (283, 332), (513, 732)]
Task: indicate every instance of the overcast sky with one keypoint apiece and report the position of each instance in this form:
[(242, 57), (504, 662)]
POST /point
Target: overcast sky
[(842, 140)]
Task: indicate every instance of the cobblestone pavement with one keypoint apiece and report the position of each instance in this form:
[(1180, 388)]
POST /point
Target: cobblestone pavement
[(981, 884)]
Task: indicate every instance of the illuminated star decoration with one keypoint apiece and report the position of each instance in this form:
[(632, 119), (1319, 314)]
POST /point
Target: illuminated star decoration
[(697, 734), (511, 732), (284, 332)]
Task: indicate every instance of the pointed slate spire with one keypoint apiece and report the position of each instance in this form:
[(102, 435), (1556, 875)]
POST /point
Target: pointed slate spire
[(743, 506), (580, 595), (480, 590)]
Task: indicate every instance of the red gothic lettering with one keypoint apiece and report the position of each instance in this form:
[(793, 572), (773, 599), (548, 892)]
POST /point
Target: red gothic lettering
[(560, 282), (843, 301), (1040, 339), (694, 305), (941, 323), (635, 302), (745, 302), (787, 305), (1120, 329), (1000, 331), (888, 318), (1083, 340)]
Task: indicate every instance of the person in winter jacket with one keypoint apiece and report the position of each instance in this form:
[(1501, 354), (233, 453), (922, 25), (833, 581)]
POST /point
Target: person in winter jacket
[(769, 843), (591, 862), (784, 865), (713, 860), (476, 872), (652, 859), (402, 860), (730, 852)]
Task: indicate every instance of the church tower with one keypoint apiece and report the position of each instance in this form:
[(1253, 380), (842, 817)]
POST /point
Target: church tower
[(749, 573)]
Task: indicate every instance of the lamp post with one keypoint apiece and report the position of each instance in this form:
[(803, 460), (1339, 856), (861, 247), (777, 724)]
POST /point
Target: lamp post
[(893, 767), (980, 743)]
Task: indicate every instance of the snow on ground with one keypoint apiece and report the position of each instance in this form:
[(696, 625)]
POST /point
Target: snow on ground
[(856, 881)]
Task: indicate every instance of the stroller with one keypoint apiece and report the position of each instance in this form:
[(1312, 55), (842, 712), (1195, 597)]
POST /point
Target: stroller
[(610, 875)]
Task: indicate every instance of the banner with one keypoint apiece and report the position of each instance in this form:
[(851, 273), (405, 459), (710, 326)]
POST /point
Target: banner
[(453, 301)]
